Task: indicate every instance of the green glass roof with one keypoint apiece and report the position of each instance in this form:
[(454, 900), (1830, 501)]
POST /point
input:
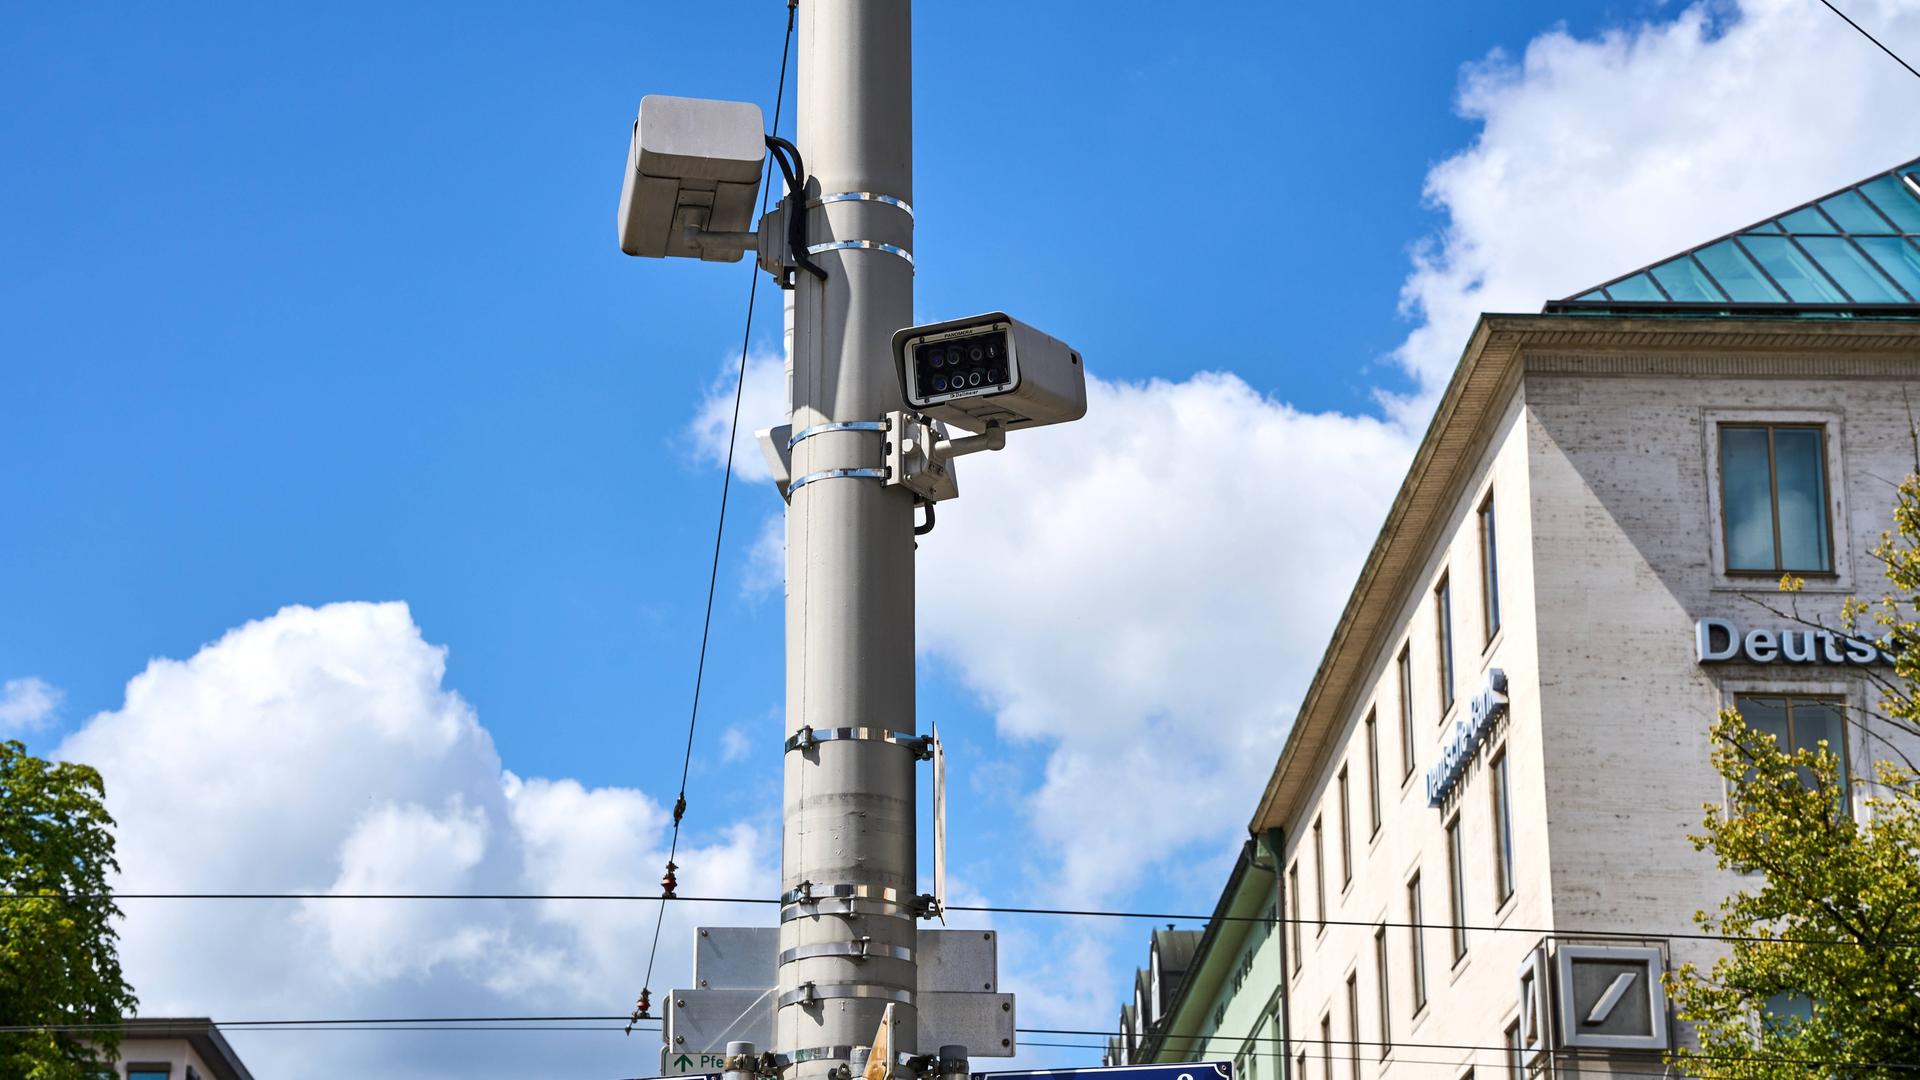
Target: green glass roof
[(1856, 250)]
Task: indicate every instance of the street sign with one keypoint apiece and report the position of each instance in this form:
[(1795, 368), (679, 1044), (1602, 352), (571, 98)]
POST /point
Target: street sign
[(1199, 1070), (707, 1063)]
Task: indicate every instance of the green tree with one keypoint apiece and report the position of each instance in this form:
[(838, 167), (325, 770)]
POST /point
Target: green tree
[(1822, 973), (57, 959)]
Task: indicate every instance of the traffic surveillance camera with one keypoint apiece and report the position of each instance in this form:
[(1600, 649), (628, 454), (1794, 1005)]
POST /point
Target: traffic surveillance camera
[(990, 370), (693, 170)]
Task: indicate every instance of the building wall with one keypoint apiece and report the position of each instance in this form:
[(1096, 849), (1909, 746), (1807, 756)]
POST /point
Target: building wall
[(176, 1053), (1229, 1006), (1477, 993)]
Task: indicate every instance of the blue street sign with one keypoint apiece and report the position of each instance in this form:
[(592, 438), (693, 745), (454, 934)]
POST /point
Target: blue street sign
[(1200, 1070)]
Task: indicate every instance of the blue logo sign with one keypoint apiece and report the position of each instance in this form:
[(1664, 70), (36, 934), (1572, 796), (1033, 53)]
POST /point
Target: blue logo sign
[(1463, 738)]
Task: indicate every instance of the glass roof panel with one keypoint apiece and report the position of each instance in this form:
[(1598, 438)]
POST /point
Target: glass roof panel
[(1685, 281), (1894, 200), (1737, 274), (1857, 246), (1807, 220), (1638, 287), (1855, 273), (1899, 258), (1853, 214), (1793, 271)]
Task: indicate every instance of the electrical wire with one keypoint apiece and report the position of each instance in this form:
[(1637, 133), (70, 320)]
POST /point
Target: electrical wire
[(668, 883), (1870, 37), (1159, 916)]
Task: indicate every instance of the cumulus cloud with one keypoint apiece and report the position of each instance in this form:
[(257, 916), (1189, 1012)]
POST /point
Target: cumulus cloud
[(318, 750), (1599, 155), (27, 705), (762, 405)]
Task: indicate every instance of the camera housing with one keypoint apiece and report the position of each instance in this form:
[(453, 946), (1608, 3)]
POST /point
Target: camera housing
[(693, 167), (990, 370)]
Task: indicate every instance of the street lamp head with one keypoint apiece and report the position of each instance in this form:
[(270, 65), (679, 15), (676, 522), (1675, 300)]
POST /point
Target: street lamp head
[(990, 370), (693, 170)]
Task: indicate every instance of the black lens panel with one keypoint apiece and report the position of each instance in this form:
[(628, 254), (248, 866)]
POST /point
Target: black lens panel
[(966, 363)]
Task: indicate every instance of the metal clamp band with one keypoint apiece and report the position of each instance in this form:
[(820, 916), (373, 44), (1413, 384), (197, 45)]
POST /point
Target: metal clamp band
[(848, 905), (808, 993), (806, 737), (861, 245), (862, 949), (808, 893), (828, 1053), (821, 429), (859, 196), (835, 474)]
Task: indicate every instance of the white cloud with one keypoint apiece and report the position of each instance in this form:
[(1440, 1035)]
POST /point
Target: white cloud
[(318, 751), (27, 705), (734, 745), (763, 405), (1600, 155)]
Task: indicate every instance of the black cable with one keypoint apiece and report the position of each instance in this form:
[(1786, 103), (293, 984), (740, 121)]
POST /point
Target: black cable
[(667, 882), (1870, 37), (1158, 916)]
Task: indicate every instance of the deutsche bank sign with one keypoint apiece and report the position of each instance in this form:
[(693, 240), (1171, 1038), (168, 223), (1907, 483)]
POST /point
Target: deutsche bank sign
[(1719, 641), (1463, 738)]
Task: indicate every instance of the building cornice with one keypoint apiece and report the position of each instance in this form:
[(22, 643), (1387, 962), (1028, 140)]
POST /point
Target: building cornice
[(1501, 349)]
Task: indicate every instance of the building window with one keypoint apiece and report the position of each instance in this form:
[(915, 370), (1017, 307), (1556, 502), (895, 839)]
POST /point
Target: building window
[(1293, 912), (1515, 1070), (1353, 1025), (1443, 622), (1800, 723), (1300, 1066), (1380, 979), (1502, 830), (1417, 939), (1373, 774), (148, 1072), (1346, 830), (1326, 1046), (1456, 890), (1320, 873), (1489, 570), (1773, 498), (1405, 666)]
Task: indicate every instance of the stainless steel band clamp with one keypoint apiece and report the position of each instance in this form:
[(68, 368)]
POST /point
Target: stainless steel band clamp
[(862, 245), (829, 1053), (808, 737), (808, 993), (859, 949), (860, 196)]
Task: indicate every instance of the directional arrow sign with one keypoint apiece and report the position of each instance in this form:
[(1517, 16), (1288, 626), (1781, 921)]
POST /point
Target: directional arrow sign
[(1201, 1070), (707, 1063)]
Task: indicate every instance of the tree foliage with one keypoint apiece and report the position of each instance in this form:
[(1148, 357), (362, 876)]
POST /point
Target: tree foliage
[(1822, 973), (57, 959)]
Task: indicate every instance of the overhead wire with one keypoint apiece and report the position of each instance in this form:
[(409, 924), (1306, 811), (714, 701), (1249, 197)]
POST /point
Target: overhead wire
[(668, 883), (1865, 34)]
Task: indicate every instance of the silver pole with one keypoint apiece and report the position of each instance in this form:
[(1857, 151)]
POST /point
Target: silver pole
[(849, 803)]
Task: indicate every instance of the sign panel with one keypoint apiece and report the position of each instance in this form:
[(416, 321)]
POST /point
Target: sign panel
[(1534, 1017), (1611, 997), (939, 825), (702, 1063), (1199, 1070), (1463, 738), (1720, 641)]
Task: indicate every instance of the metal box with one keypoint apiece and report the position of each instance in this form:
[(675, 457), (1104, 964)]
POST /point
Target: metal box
[(691, 164), (989, 369)]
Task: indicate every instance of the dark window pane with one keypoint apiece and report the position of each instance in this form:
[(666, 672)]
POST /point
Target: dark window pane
[(1899, 258), (1895, 201), (1637, 287), (1808, 220), (1684, 282), (1786, 1011), (1855, 274), (1737, 274), (1746, 485), (1803, 499), (1768, 714), (1792, 270), (1818, 721), (1853, 214)]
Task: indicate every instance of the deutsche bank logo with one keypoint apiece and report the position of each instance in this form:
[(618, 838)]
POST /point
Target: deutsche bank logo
[(1464, 737)]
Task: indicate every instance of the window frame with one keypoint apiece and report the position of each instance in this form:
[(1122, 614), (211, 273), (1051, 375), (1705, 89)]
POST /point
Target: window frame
[(1403, 666), (1456, 887), (1381, 973), (1838, 699), (1489, 569), (1320, 871), (1500, 792), (1443, 638), (1373, 771), (1353, 1024), (1417, 943), (1346, 828), (1293, 902), (1827, 514)]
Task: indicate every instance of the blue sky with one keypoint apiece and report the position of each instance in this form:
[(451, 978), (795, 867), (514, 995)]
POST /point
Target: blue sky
[(301, 307)]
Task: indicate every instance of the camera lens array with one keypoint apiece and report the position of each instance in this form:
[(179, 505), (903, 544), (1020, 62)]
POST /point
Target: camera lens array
[(964, 364)]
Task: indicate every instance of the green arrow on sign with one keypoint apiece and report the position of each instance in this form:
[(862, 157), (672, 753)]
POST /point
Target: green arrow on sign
[(682, 1061)]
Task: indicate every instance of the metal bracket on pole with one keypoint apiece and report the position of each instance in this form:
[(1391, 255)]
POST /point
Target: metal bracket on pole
[(812, 994), (808, 737)]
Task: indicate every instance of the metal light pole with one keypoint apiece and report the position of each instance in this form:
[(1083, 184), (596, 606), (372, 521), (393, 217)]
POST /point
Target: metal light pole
[(848, 862)]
